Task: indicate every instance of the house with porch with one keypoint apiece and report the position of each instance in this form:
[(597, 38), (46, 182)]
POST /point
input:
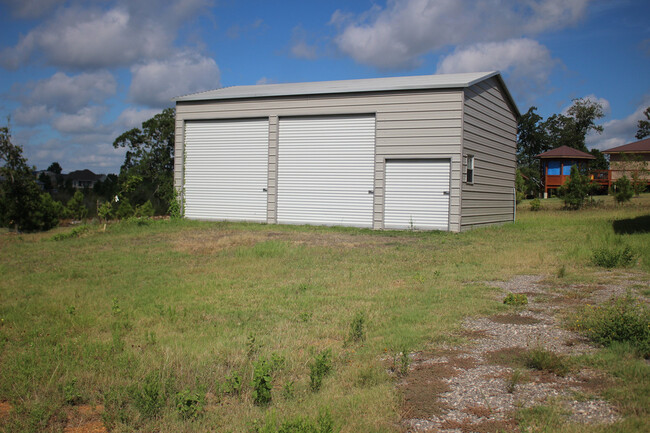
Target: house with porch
[(556, 165)]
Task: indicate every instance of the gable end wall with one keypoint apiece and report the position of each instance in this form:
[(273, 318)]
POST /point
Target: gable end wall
[(490, 134)]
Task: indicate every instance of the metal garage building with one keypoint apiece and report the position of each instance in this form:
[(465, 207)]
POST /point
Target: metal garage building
[(424, 152)]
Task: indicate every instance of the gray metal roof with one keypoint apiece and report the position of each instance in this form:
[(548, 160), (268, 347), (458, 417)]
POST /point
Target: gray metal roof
[(440, 81)]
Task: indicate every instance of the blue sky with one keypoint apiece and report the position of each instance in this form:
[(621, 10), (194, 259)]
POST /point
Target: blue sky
[(76, 74)]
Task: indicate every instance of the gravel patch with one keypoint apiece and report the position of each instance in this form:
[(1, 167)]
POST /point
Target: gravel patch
[(475, 393)]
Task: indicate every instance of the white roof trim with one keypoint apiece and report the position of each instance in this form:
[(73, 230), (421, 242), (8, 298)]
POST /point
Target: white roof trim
[(440, 81)]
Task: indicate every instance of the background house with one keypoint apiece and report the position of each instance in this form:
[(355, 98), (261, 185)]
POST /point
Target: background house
[(427, 152), (84, 178), (556, 165), (630, 159)]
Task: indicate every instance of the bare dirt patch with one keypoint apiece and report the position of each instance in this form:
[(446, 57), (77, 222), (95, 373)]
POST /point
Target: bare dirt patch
[(206, 242), (85, 419), (5, 409)]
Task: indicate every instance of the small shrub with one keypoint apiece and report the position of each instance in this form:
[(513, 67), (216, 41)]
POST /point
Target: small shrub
[(76, 206), (623, 190), (71, 394), (261, 382), (124, 209), (149, 399), (233, 383), (251, 345), (613, 257), (288, 390), (116, 407), (357, 328), (515, 379), (401, 362), (144, 210), (544, 360), (105, 211), (575, 190), (622, 320), (175, 208), (535, 205), (189, 404), (74, 233), (515, 299), (319, 369), (561, 272)]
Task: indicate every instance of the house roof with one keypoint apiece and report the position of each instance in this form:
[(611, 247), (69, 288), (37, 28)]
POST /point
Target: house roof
[(565, 152), (641, 146), (83, 175), (439, 81)]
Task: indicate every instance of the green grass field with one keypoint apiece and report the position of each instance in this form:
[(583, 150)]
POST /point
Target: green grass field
[(129, 317)]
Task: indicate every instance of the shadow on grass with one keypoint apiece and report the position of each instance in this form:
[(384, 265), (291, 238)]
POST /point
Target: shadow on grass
[(632, 225)]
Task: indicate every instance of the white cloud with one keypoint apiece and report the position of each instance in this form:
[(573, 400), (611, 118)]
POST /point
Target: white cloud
[(604, 103), (91, 37), (31, 9), (527, 62), (86, 120), (397, 36), (32, 115), (156, 82), (68, 93), (133, 117), (617, 132)]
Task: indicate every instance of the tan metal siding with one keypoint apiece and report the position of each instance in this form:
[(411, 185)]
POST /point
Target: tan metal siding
[(489, 134), (434, 133)]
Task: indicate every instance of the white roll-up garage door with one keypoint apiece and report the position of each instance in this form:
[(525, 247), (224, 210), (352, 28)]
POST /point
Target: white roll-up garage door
[(417, 194), (326, 170), (226, 170)]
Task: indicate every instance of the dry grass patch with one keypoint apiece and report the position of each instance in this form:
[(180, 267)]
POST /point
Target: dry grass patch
[(421, 389)]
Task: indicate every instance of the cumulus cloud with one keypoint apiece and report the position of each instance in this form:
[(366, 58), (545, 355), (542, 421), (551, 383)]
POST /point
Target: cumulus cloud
[(133, 117), (32, 115), (154, 83), (617, 132), (607, 108), (92, 37), (527, 62), (87, 119), (397, 36), (69, 93), (31, 9)]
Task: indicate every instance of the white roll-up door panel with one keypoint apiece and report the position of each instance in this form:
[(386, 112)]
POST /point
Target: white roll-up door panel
[(417, 194), (326, 170), (226, 170)]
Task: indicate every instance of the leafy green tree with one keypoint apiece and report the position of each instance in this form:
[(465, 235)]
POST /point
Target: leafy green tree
[(575, 190), (644, 125), (55, 168), (22, 206), (148, 168), (601, 162), (623, 190), (532, 139), (76, 206)]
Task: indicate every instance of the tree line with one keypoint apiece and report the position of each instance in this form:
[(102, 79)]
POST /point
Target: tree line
[(144, 186)]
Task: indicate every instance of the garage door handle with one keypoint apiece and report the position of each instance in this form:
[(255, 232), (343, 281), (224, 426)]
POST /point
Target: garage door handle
[(371, 191), (264, 190), (445, 193)]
